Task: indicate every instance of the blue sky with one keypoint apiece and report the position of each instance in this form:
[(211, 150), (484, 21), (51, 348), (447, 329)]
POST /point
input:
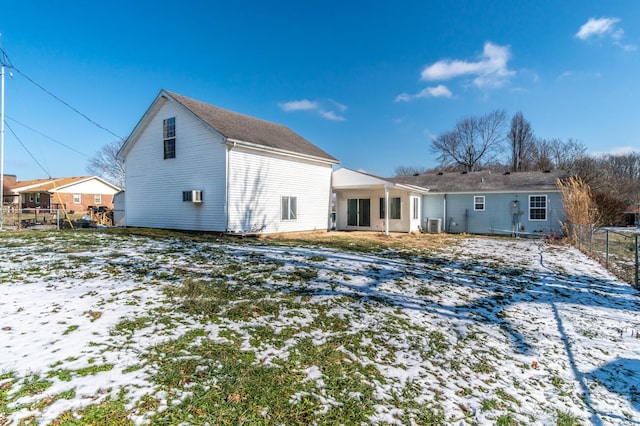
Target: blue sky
[(370, 82)]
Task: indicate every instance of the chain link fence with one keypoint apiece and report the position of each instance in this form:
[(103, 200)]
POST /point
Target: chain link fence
[(616, 248)]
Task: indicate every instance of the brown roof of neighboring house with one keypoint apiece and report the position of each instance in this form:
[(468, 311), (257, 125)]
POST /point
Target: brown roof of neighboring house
[(233, 125), (484, 181)]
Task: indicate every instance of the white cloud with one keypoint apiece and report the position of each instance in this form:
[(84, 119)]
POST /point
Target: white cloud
[(330, 115), (604, 28), (620, 150), (439, 91), (489, 71), (319, 108), (430, 135), (340, 107), (302, 105), (598, 28), (565, 74)]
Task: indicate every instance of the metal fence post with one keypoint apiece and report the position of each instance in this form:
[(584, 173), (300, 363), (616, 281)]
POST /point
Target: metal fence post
[(636, 254), (606, 262)]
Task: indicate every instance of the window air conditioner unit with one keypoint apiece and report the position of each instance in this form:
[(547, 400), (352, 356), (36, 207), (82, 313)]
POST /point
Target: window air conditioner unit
[(196, 196), (434, 226)]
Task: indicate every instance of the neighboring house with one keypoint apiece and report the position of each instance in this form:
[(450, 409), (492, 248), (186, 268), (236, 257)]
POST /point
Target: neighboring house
[(8, 197), (71, 193), (490, 203), (367, 202), (193, 166)]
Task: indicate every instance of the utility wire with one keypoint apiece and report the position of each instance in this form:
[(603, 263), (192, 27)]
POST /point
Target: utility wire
[(26, 149), (7, 62), (46, 136)]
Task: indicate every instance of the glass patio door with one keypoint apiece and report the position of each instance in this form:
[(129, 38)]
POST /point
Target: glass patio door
[(358, 212)]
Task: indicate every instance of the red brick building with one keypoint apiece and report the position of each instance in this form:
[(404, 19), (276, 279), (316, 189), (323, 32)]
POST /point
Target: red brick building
[(73, 193)]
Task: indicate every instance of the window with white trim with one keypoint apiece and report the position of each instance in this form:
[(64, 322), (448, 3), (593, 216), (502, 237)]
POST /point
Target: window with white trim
[(416, 207), (97, 199), (169, 137), (538, 207), (478, 203), (77, 199), (289, 208)]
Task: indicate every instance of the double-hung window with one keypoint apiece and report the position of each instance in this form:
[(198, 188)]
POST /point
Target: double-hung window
[(289, 208), (77, 199), (537, 207), (97, 199), (478, 203), (169, 137)]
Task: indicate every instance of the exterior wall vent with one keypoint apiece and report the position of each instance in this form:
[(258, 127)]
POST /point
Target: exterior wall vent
[(196, 196)]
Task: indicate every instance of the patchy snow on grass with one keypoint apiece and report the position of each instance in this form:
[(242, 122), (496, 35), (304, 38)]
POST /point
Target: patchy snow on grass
[(483, 331)]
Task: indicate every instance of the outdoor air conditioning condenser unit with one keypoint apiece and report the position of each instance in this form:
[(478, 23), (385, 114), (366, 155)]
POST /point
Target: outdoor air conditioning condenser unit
[(434, 226)]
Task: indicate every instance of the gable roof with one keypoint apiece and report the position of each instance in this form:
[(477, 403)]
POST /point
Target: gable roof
[(344, 178), (55, 184), (244, 129), (484, 181)]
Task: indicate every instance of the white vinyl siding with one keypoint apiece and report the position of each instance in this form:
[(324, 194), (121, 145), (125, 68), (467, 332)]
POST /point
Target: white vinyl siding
[(257, 183), (154, 186)]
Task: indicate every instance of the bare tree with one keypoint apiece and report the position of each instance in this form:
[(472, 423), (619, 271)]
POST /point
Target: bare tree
[(107, 165), (567, 153), (474, 140), (409, 170), (522, 141), (550, 154)]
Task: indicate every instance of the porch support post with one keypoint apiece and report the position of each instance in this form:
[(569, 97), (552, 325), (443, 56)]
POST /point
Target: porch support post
[(386, 210)]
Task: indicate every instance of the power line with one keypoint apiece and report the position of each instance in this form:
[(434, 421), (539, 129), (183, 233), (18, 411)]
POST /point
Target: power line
[(46, 136), (26, 149), (7, 62)]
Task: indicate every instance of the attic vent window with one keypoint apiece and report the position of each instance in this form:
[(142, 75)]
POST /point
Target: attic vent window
[(169, 137)]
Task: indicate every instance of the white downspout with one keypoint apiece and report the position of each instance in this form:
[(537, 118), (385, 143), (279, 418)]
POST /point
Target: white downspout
[(226, 203), (444, 219), (386, 210)]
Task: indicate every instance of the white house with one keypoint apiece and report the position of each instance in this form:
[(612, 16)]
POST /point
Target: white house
[(371, 203), (193, 166)]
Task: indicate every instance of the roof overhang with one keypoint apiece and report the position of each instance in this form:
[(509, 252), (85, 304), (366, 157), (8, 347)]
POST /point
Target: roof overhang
[(350, 179), (265, 149)]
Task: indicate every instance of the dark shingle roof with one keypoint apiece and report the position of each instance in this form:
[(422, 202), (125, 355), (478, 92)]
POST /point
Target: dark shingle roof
[(233, 125), (484, 181)]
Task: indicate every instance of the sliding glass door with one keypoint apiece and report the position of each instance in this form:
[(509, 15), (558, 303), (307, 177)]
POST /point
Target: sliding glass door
[(359, 212)]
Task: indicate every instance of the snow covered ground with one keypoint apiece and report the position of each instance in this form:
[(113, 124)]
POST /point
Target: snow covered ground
[(484, 331)]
